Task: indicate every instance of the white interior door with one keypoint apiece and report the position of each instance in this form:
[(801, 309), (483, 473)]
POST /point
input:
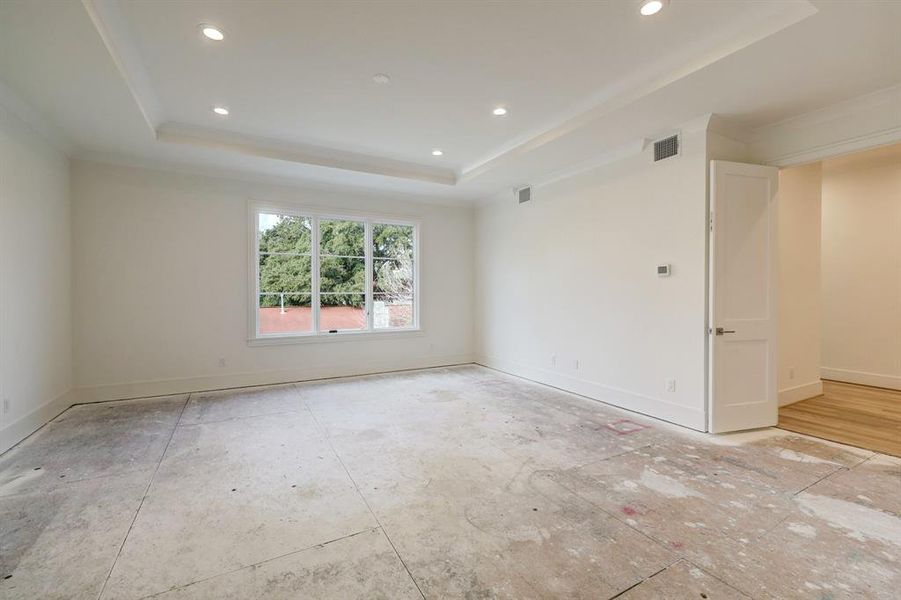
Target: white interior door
[(742, 296)]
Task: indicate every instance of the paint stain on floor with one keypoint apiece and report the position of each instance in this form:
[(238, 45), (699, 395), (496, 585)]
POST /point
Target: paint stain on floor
[(440, 483)]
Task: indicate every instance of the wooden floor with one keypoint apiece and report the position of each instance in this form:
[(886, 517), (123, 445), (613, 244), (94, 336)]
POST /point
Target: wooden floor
[(857, 415)]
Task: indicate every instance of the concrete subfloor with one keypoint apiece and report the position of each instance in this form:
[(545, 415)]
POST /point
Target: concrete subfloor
[(443, 483)]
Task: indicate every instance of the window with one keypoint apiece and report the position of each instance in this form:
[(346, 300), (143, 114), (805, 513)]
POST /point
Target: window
[(321, 275)]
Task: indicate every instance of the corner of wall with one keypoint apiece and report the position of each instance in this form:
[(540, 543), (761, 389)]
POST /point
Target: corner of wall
[(36, 352), (800, 392), (23, 427)]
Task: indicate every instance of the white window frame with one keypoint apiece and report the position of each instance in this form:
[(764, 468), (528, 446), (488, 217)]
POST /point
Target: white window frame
[(255, 338)]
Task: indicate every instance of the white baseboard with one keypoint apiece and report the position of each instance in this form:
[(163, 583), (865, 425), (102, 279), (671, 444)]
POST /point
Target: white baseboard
[(167, 387), (892, 382), (800, 392), (646, 405), (20, 429)]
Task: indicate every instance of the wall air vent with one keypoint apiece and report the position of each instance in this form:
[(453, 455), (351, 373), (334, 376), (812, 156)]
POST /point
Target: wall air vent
[(524, 194), (666, 147)]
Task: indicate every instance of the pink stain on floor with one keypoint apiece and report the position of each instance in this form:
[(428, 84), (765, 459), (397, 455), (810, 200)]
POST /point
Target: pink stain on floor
[(625, 426), (629, 511)]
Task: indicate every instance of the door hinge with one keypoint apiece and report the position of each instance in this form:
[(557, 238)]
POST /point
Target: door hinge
[(710, 222)]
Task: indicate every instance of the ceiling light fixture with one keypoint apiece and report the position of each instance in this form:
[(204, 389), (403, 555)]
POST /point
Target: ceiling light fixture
[(221, 111), (381, 79), (651, 7), (500, 111), (437, 152), (212, 33)]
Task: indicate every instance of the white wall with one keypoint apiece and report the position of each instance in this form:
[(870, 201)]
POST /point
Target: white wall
[(862, 268), (35, 280), (161, 286), (800, 305), (572, 275)]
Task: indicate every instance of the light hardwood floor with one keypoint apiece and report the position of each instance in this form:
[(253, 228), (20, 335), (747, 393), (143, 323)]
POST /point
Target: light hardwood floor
[(857, 415)]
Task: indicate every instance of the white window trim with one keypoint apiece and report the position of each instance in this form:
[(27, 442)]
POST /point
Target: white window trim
[(255, 338)]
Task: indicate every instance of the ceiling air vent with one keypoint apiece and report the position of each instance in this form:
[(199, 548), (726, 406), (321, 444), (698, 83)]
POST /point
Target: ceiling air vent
[(524, 194), (666, 147)]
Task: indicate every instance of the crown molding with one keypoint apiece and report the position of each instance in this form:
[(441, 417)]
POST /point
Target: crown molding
[(624, 151), (846, 108), (643, 83), (180, 133), (113, 29), (251, 177), (859, 143), (114, 32), (856, 124)]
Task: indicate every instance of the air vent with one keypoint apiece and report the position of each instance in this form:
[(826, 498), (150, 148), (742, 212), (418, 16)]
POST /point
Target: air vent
[(666, 148), (524, 194)]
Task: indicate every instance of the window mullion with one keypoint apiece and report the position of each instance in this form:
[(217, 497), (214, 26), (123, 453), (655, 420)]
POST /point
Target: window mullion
[(367, 252), (256, 272), (314, 299)]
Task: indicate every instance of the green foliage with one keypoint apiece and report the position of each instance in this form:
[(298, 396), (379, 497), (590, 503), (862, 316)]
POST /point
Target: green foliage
[(281, 273), (345, 238), (290, 234), (339, 273), (392, 241), (286, 264), (392, 268), (286, 272), (344, 276)]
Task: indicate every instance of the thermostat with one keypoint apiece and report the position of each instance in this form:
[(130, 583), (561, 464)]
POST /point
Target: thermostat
[(663, 270)]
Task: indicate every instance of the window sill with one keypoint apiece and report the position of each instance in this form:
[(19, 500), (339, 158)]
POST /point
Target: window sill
[(341, 336)]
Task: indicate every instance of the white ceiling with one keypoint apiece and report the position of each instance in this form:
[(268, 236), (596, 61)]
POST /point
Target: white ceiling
[(134, 81)]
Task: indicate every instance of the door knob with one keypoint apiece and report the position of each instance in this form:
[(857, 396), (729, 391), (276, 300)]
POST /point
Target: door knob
[(721, 331)]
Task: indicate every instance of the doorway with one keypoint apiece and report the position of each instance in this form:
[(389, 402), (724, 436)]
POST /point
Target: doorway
[(839, 299)]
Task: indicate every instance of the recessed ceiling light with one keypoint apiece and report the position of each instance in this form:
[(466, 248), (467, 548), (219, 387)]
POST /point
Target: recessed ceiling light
[(381, 78), (437, 152), (499, 111), (212, 33), (651, 7), (221, 111)]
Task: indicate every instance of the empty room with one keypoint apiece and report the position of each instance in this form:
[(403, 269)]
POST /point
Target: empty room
[(450, 299)]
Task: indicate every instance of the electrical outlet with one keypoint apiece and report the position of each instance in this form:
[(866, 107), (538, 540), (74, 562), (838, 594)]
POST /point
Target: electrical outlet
[(5, 405), (576, 365), (221, 362), (553, 360), (791, 372), (670, 385)]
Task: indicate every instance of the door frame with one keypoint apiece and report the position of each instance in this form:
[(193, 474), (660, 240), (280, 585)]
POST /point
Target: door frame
[(841, 148)]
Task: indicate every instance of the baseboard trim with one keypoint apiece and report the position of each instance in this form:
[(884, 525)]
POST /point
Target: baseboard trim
[(645, 405), (891, 382), (169, 387), (20, 429), (800, 392)]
